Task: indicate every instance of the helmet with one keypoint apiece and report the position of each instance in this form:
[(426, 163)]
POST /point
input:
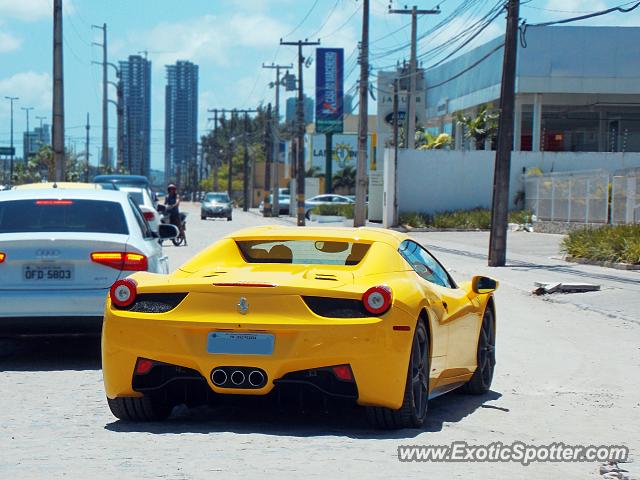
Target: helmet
[(171, 186)]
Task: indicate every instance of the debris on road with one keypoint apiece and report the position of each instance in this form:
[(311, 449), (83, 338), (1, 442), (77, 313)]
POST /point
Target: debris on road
[(544, 288)]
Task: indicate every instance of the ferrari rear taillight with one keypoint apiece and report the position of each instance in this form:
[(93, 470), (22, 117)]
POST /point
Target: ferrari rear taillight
[(2, 257), (123, 292), (143, 366), (377, 300), (148, 216), (343, 372), (130, 262)]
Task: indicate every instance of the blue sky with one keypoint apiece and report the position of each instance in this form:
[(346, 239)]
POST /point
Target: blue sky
[(228, 39)]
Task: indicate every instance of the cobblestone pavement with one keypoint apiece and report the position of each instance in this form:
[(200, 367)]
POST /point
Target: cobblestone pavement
[(563, 375)]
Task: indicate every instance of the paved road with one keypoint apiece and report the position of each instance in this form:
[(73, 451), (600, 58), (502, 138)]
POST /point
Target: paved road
[(564, 374)]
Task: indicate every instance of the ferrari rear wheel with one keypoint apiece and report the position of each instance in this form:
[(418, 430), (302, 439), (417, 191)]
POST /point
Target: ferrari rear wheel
[(480, 382), (416, 393), (143, 409)]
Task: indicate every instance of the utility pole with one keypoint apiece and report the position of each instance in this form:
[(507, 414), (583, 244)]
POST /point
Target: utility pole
[(275, 207), (500, 205), (359, 213), (58, 94), (215, 153), (396, 139), (301, 128), (267, 212), (245, 171), (413, 70), (105, 98), (11, 100), (86, 148)]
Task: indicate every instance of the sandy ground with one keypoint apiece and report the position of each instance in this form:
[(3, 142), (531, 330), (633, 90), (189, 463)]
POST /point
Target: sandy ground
[(567, 372)]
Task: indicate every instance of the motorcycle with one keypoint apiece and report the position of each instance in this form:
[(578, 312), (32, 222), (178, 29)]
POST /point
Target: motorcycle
[(166, 218)]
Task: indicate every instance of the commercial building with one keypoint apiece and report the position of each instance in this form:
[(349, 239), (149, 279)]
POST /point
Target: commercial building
[(309, 106), (181, 120), (135, 75), (577, 89), (34, 140)]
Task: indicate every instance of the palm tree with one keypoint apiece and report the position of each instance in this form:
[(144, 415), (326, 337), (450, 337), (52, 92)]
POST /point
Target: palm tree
[(345, 179), (480, 127)]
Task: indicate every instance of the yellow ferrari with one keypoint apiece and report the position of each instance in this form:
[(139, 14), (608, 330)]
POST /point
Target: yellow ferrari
[(365, 315)]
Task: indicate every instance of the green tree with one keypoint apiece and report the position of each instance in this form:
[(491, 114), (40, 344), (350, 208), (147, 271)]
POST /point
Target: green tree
[(481, 126), (345, 180)]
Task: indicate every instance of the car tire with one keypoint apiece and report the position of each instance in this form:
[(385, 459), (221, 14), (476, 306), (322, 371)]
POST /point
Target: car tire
[(228, 219), (413, 411), (307, 215), (138, 409), (480, 382), (202, 217)]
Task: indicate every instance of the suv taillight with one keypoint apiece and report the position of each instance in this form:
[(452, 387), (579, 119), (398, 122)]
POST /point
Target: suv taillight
[(2, 257), (148, 216), (130, 262)]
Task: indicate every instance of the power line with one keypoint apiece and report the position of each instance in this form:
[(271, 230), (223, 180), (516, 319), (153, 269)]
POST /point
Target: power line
[(303, 20)]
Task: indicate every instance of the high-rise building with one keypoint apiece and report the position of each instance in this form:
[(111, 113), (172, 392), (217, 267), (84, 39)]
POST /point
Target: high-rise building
[(135, 75), (181, 120), (35, 139), (309, 106)]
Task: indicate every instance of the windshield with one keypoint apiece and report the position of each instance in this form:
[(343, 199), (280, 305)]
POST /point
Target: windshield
[(62, 216), (217, 197), (303, 252)]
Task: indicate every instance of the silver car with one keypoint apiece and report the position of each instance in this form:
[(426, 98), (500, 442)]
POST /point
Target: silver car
[(326, 199), (216, 205), (61, 251)]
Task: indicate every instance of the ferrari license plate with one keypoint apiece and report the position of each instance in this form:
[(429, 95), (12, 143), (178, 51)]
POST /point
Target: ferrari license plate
[(44, 273), (240, 343)]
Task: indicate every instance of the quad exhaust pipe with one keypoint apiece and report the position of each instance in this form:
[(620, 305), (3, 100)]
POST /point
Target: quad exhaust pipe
[(238, 377)]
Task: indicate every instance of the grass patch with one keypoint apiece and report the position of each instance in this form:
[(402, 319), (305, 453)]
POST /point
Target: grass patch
[(345, 210), (619, 244), (478, 218)]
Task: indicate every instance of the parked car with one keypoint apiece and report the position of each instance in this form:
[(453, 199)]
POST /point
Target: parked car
[(216, 205), (326, 199), (60, 252), (146, 204), (114, 181), (283, 204), (365, 315)]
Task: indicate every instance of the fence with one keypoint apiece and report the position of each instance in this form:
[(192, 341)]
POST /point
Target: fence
[(625, 196), (581, 197)]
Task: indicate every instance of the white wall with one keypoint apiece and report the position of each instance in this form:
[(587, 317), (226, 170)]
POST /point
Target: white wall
[(439, 180)]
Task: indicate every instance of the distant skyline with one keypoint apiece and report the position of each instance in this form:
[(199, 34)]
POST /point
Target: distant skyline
[(228, 40)]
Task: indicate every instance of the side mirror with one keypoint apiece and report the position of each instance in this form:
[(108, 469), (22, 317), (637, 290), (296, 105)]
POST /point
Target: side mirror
[(161, 208), (422, 269), (482, 285), (167, 232)]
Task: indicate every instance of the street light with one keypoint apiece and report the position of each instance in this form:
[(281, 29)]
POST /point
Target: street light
[(11, 99)]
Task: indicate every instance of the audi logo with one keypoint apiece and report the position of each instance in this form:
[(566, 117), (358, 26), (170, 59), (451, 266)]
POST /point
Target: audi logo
[(47, 253)]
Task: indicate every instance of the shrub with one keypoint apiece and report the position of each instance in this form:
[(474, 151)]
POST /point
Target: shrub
[(477, 218), (620, 243), (326, 209)]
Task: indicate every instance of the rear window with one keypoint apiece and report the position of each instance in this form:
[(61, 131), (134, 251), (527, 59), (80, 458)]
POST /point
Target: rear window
[(136, 195), (303, 252), (42, 215)]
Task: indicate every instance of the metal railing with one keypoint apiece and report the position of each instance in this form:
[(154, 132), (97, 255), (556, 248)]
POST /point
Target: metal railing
[(581, 197), (625, 196)]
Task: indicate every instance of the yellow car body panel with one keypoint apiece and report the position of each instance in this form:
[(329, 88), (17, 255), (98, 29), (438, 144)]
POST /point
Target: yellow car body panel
[(377, 352)]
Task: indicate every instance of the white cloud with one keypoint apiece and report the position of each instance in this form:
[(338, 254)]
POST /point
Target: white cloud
[(32, 10), (33, 89), (209, 38), (9, 42)]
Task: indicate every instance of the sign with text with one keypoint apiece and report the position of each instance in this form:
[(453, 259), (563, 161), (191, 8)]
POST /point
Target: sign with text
[(329, 90), (7, 151)]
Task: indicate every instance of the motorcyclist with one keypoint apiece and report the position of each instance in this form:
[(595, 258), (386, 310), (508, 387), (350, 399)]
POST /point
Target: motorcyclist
[(172, 202)]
